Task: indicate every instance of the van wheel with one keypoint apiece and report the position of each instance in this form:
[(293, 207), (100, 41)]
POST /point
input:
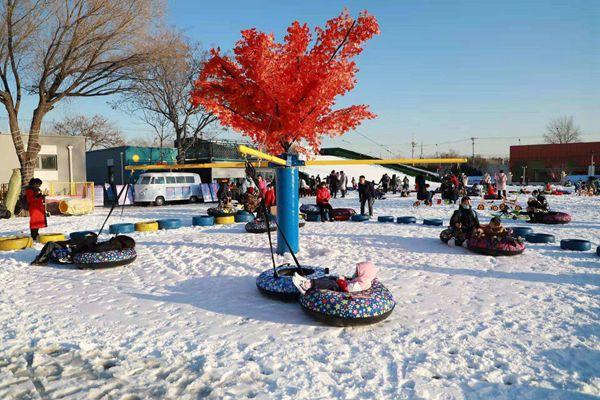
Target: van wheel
[(159, 201), (194, 199)]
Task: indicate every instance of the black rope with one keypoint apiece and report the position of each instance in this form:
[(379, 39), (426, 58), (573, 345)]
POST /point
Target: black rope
[(113, 207)]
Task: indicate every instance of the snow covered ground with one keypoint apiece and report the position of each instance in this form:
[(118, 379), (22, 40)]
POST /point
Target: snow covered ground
[(185, 321)]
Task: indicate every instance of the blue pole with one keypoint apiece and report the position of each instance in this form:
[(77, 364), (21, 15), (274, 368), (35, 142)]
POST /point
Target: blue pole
[(287, 186)]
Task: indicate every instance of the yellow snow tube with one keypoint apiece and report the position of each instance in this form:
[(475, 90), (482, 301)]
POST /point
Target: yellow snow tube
[(146, 226), (8, 243), (75, 206), (228, 220), (51, 237)]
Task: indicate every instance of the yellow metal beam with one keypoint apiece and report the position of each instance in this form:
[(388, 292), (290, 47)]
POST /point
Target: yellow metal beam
[(260, 155), (151, 167), (389, 161)]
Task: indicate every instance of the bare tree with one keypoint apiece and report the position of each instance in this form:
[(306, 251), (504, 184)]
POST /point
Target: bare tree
[(162, 87), (98, 131), (60, 49), (562, 130)]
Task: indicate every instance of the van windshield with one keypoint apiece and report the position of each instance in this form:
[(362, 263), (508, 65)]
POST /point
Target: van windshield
[(144, 180)]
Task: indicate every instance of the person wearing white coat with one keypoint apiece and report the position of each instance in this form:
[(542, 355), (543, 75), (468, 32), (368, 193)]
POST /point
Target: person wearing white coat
[(501, 180)]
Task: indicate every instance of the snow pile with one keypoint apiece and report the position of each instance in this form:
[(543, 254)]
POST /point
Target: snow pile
[(185, 321)]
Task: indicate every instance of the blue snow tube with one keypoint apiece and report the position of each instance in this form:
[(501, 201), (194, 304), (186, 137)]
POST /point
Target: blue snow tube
[(360, 217), (312, 217), (281, 286), (522, 231), (433, 222), (540, 238), (81, 234), (171, 223), (385, 218), (575, 244), (406, 220), (346, 309), (117, 229), (203, 220), (244, 216), (104, 259)]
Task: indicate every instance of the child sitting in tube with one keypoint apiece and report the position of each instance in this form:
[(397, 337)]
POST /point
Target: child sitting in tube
[(361, 280)]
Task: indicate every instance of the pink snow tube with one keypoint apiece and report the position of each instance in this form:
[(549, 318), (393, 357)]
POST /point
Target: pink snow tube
[(507, 246), (553, 218)]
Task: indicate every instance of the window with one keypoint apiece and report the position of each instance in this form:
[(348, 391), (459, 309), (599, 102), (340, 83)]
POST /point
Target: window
[(170, 179), (144, 180), (181, 179), (159, 180), (189, 179), (47, 162)]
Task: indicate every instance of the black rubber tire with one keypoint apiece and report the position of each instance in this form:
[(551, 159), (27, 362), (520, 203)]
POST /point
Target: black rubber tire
[(159, 201)]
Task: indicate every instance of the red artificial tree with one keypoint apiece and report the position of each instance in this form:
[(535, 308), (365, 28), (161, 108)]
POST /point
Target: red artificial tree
[(280, 94)]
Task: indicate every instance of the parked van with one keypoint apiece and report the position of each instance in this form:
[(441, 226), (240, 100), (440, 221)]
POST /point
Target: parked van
[(161, 187)]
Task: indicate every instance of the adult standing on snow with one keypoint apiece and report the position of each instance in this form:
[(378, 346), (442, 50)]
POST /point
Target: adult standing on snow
[(501, 180), (366, 194), (332, 181), (394, 184), (343, 183), (36, 204)]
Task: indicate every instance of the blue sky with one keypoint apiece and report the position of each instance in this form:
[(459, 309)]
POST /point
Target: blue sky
[(441, 71)]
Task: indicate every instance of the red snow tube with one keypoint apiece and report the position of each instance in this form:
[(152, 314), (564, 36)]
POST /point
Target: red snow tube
[(343, 214), (552, 218), (491, 197), (505, 247)]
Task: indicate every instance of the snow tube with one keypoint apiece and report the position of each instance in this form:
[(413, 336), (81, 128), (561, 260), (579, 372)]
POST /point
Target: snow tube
[(244, 216), (406, 220), (309, 209), (170, 223), (221, 212), (539, 238), (360, 217), (104, 259), (346, 309), (225, 220), (51, 237), (9, 243), (575, 244), (146, 226), (504, 247), (259, 226), (282, 287), (203, 220), (552, 218), (74, 206), (117, 229), (491, 197), (433, 222), (385, 218), (343, 214), (81, 234), (312, 217), (522, 231), (446, 235)]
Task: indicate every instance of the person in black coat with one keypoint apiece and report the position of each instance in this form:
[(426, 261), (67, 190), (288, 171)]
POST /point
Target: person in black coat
[(366, 194), (464, 221)]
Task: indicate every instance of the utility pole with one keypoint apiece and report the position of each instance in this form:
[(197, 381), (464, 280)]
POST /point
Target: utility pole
[(421, 150), (473, 146), (413, 144)]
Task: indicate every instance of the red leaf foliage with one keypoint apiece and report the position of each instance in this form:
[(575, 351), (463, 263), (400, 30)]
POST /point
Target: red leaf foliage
[(282, 94)]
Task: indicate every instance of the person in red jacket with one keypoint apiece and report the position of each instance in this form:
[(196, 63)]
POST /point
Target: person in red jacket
[(270, 196), (323, 196), (36, 204)]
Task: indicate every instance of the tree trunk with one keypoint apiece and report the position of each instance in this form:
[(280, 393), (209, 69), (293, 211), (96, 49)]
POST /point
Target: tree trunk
[(29, 161), (179, 135)]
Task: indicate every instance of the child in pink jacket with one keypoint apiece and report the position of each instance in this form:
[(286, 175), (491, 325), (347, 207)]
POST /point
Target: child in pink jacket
[(362, 280)]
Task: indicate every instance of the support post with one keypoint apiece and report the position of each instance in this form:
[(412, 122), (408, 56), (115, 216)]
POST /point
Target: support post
[(287, 187)]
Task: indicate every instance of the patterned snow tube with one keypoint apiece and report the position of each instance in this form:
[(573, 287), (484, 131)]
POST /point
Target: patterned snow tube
[(522, 231), (203, 220), (146, 226), (51, 237), (540, 238), (446, 235), (503, 247), (259, 226), (311, 217), (104, 259), (360, 217), (575, 244), (406, 220), (309, 209), (554, 218), (225, 220), (81, 234), (117, 229), (244, 216), (347, 309), (15, 243), (433, 222), (343, 214), (282, 287), (171, 223), (221, 212), (385, 218)]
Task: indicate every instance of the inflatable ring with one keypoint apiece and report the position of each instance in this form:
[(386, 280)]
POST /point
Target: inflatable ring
[(51, 237), (433, 222), (539, 238), (310, 209), (225, 220), (81, 234), (343, 214), (385, 218), (221, 212), (282, 287), (146, 226), (480, 207), (259, 226), (406, 220), (244, 216), (575, 244), (346, 309), (15, 243), (104, 259), (554, 218), (521, 231), (312, 217), (203, 220), (490, 197), (446, 235), (360, 217), (117, 229), (170, 223), (503, 247)]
